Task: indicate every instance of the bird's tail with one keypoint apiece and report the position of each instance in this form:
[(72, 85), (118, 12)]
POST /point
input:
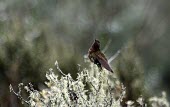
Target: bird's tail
[(112, 71)]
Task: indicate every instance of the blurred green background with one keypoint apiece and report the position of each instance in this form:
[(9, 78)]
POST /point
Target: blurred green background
[(36, 33)]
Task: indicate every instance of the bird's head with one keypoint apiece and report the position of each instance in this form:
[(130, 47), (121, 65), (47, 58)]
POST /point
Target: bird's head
[(96, 45), (97, 41)]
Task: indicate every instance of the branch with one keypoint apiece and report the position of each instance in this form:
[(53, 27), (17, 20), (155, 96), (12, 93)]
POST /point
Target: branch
[(58, 68), (107, 45), (18, 94), (114, 56)]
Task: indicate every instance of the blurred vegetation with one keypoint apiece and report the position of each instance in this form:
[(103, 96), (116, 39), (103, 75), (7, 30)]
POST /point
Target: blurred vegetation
[(35, 33), (130, 71)]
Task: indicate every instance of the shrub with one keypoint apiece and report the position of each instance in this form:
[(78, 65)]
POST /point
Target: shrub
[(92, 88)]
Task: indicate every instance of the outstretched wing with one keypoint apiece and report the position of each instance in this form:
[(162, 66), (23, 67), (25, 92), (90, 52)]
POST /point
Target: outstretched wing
[(102, 59)]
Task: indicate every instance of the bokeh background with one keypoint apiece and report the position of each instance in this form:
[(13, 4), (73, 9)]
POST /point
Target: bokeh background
[(36, 33)]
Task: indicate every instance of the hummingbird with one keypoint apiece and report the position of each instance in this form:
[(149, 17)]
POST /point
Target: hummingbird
[(97, 57)]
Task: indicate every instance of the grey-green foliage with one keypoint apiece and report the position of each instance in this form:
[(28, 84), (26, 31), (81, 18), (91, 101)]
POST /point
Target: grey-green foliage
[(65, 91)]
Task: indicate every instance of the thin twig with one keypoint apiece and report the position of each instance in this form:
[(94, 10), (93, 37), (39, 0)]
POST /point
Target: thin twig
[(58, 68), (114, 56), (107, 45), (18, 95)]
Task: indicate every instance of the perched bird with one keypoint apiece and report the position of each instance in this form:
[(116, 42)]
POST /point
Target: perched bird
[(97, 57)]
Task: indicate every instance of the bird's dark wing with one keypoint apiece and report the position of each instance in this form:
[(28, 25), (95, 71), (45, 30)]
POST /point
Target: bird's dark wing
[(102, 59), (100, 54)]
